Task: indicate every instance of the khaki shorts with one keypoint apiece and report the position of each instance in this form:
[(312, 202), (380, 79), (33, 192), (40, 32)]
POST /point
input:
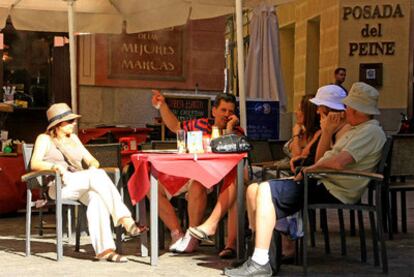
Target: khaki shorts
[(183, 189)]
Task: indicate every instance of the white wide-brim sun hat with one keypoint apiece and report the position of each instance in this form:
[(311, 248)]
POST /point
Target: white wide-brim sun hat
[(58, 113)]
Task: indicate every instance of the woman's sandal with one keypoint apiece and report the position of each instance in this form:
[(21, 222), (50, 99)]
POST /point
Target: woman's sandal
[(227, 253), (113, 257), (199, 234), (135, 230)]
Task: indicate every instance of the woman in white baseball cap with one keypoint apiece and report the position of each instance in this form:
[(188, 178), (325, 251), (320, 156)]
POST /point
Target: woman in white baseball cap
[(332, 112)]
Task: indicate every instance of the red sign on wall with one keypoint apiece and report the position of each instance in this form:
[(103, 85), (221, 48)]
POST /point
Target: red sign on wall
[(154, 55)]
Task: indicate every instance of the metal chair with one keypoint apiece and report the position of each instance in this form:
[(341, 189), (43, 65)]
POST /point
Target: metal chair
[(401, 167), (374, 208), (266, 155), (36, 179)]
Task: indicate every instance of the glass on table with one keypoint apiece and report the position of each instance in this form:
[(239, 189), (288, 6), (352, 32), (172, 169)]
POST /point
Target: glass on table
[(215, 132), (181, 141), (206, 143)]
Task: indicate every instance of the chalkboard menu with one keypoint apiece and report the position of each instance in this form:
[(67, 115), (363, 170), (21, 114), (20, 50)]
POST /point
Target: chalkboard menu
[(186, 108)]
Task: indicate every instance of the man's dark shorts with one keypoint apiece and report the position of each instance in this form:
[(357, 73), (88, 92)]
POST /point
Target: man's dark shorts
[(287, 195)]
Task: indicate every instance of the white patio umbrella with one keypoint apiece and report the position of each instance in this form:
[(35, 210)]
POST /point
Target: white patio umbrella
[(263, 72), (107, 16)]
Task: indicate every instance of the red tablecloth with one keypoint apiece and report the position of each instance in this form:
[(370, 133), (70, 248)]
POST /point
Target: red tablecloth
[(141, 134), (12, 190), (174, 170)]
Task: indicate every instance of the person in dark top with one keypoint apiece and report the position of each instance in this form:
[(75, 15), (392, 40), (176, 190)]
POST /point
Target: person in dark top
[(340, 75), (223, 116)]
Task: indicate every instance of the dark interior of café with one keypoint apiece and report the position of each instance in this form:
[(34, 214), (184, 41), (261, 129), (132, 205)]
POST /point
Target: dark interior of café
[(39, 74)]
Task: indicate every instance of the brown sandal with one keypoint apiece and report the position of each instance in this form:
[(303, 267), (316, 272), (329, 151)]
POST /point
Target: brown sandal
[(112, 256), (135, 230)]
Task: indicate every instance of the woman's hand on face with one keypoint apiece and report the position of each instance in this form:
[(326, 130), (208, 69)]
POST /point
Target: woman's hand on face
[(330, 122)]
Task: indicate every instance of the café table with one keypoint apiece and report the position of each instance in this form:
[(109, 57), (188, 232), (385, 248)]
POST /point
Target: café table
[(12, 189), (174, 170), (88, 134)]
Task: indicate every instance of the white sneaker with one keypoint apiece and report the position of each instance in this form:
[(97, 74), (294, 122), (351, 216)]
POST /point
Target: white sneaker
[(173, 246), (188, 244)]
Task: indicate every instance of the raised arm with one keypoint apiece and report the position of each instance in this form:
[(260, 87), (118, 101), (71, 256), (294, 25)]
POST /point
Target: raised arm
[(329, 126), (168, 117), (295, 146)]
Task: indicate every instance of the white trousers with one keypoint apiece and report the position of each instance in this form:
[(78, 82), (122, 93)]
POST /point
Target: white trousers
[(95, 189)]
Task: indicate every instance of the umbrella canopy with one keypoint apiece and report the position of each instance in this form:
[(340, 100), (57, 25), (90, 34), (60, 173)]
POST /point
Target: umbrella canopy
[(108, 16), (263, 72)]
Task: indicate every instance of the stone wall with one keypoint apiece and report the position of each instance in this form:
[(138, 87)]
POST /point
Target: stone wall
[(321, 44)]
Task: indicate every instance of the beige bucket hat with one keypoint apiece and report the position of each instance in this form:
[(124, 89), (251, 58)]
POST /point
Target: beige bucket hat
[(58, 113), (363, 98)]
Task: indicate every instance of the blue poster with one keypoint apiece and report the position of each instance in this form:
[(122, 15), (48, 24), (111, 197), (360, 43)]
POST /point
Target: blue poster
[(262, 120)]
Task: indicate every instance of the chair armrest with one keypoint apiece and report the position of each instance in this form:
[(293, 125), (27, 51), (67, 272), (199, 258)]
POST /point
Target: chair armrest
[(263, 164), (34, 174), (276, 166), (355, 173), (111, 170)]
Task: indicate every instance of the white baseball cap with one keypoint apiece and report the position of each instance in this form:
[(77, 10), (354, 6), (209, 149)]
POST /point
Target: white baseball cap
[(330, 96)]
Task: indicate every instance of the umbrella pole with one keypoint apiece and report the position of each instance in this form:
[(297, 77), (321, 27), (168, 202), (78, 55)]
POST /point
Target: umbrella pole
[(72, 55), (240, 64)]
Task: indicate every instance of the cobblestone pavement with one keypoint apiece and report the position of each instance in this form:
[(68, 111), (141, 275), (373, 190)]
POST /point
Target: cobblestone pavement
[(204, 263)]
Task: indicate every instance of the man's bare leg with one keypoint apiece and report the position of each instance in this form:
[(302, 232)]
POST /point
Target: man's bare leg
[(265, 216), (251, 196), (232, 227), (166, 211), (197, 201), (259, 264), (224, 202)]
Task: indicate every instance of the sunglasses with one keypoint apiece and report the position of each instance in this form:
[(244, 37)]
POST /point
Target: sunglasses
[(71, 121)]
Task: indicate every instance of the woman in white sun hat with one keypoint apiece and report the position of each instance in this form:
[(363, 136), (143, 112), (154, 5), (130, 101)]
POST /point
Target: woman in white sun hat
[(332, 112), (60, 149)]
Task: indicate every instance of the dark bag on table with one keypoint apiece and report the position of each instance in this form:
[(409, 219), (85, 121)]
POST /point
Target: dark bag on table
[(230, 144)]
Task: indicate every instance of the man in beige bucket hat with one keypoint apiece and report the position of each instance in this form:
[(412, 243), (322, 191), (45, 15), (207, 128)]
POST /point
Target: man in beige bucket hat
[(363, 98), (359, 148)]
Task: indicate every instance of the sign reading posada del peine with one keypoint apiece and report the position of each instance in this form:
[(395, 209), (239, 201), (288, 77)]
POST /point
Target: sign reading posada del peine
[(154, 55)]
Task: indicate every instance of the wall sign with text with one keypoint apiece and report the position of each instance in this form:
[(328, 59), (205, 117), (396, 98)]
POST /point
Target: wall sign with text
[(373, 40), (154, 55), (262, 119)]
